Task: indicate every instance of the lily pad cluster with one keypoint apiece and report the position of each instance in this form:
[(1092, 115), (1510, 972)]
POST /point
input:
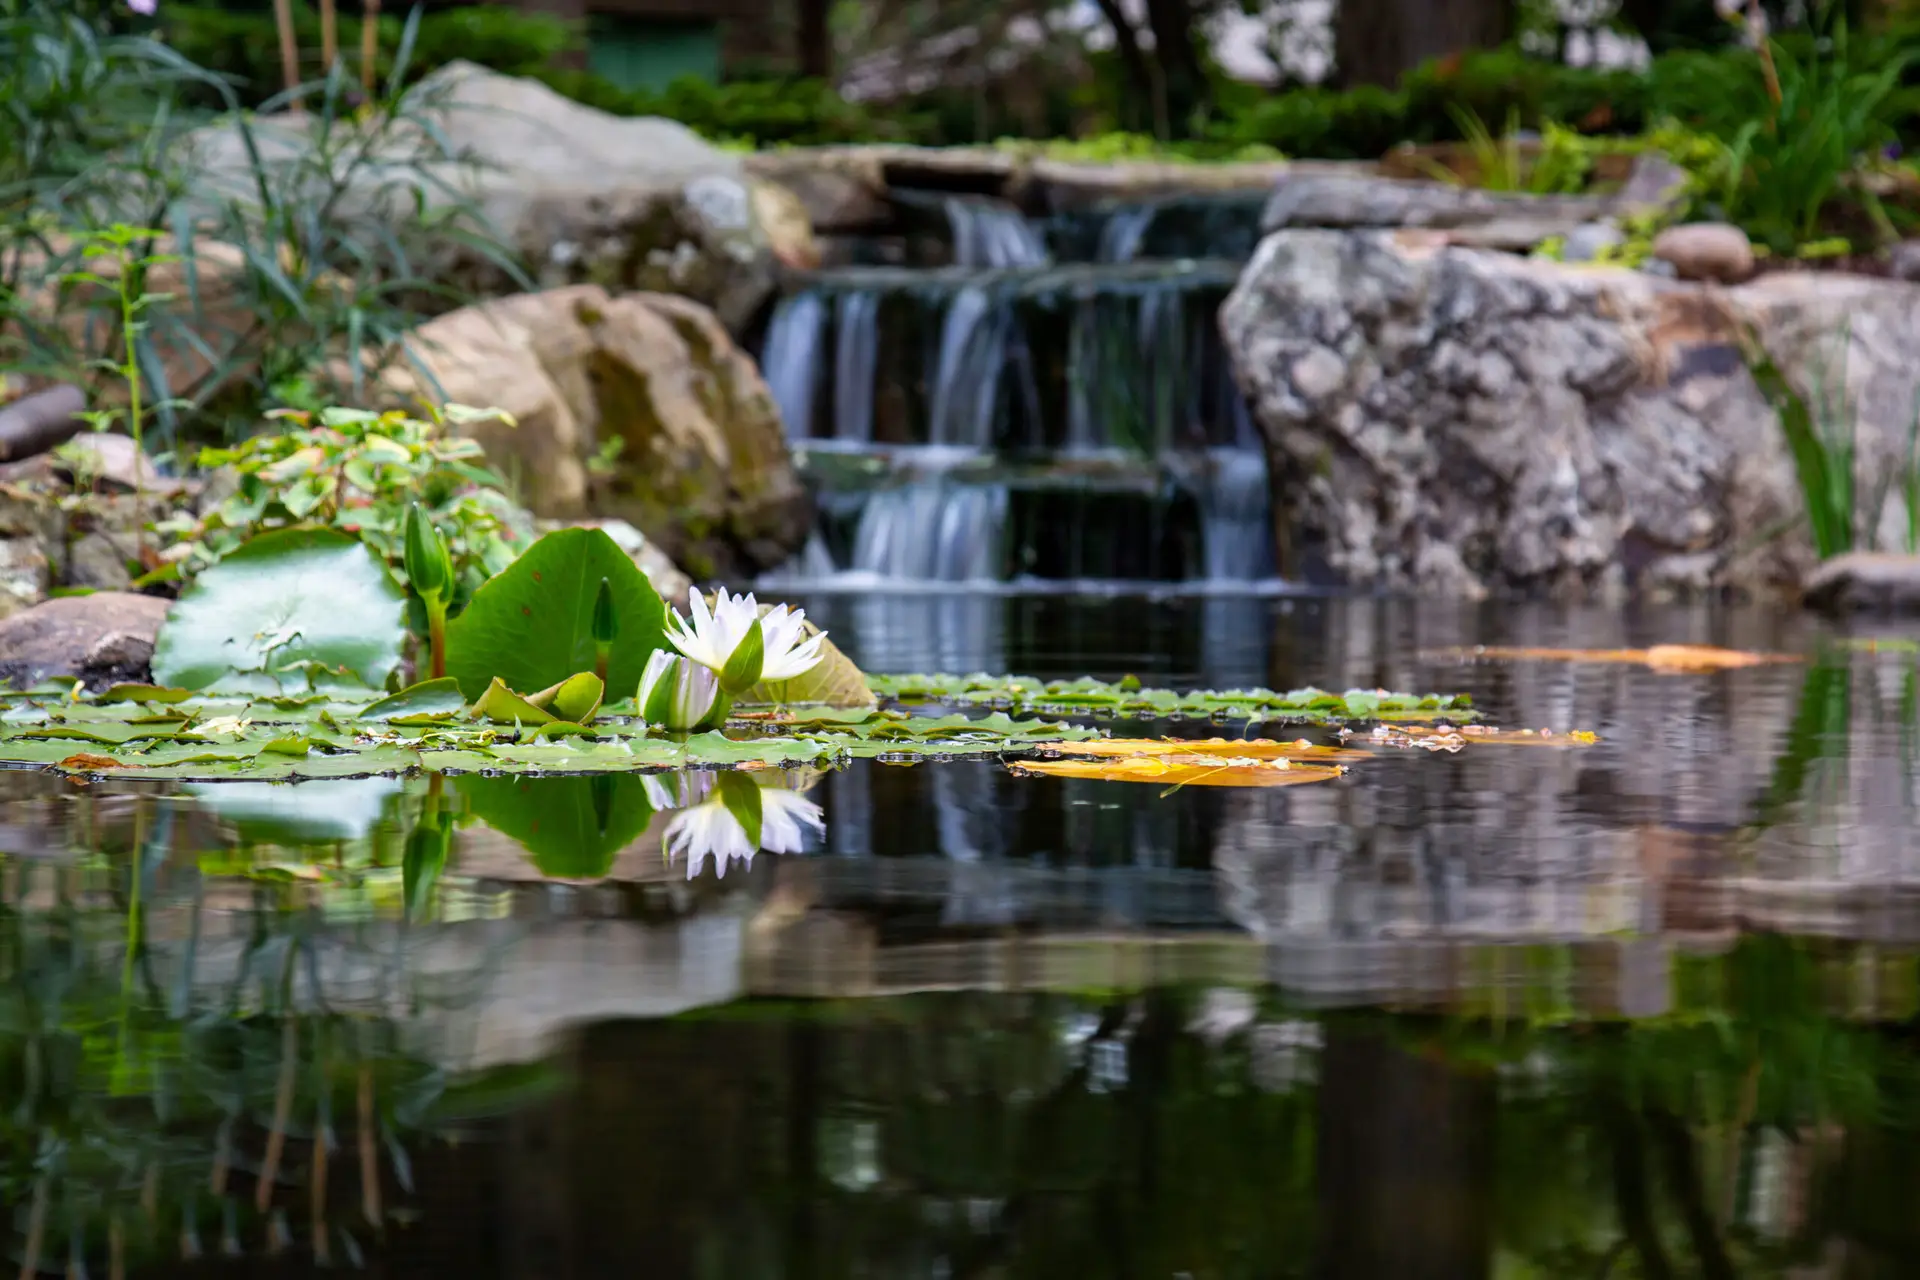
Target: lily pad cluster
[(1086, 696), (288, 657)]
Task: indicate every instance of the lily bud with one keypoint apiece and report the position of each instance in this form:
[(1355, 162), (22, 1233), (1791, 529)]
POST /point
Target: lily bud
[(429, 567), (679, 694)]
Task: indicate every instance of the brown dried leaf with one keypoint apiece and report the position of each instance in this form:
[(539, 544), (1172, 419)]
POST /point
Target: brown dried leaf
[(87, 762)]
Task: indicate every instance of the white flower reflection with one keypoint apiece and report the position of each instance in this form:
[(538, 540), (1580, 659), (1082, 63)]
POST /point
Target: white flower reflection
[(718, 815)]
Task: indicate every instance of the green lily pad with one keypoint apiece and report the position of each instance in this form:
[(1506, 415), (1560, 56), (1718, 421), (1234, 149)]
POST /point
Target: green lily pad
[(144, 693), (428, 700), (503, 706), (571, 827), (532, 626), (574, 699), (290, 597)]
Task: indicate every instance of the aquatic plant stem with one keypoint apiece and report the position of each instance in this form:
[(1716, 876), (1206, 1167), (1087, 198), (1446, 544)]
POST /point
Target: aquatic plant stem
[(318, 1201), (329, 35), (282, 1112), (369, 1148), (369, 45), (129, 338), (436, 639), (1763, 46), (36, 1230), (289, 52)]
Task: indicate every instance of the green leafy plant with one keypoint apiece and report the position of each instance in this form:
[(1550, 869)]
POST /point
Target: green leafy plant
[(1822, 433), (539, 622), (1829, 116), (298, 249), (117, 260), (362, 473)]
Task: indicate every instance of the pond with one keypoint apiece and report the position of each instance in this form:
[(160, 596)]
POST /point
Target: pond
[(1644, 1007)]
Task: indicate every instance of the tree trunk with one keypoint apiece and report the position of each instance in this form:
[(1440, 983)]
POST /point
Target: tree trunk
[(1143, 73), (816, 43), (1379, 41), (1189, 96)]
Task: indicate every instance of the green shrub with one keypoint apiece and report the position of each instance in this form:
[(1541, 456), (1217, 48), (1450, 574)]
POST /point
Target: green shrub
[(244, 46), (764, 113), (267, 283), (360, 473)]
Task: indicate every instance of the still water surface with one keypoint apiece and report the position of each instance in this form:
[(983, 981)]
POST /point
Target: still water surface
[(1642, 1009)]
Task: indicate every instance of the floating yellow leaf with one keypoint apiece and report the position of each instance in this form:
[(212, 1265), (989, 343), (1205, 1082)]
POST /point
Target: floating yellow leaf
[(1209, 748), (1186, 762), (1667, 659)]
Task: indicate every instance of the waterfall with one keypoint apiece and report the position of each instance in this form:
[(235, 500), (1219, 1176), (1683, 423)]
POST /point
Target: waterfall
[(992, 233), (1123, 231), (791, 361), (972, 352), (932, 530), (1010, 420), (856, 357), (1236, 520)]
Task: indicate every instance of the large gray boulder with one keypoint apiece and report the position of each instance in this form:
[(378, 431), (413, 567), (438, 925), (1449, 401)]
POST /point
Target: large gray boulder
[(630, 202), (1459, 421), (103, 638)]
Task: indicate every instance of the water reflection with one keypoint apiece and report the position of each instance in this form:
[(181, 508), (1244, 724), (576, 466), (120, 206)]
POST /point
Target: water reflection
[(1646, 1009)]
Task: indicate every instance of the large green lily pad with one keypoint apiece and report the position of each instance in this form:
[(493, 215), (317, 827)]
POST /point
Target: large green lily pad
[(532, 626), (572, 827), (289, 608)]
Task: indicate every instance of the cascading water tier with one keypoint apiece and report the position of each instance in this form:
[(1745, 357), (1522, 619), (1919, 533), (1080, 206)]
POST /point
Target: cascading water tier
[(1009, 418)]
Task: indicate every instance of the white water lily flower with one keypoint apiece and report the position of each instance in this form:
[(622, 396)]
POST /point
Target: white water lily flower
[(676, 693), (790, 651), (710, 829), (710, 638), (782, 814)]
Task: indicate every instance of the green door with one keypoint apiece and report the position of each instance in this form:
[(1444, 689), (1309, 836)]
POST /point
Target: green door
[(646, 53)]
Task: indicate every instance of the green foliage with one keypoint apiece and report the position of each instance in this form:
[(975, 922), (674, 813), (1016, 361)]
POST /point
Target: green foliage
[(755, 113), (532, 626), (243, 45), (271, 736), (274, 274), (1120, 147), (1836, 112), (361, 472), (1822, 432), (417, 703), (294, 608)]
